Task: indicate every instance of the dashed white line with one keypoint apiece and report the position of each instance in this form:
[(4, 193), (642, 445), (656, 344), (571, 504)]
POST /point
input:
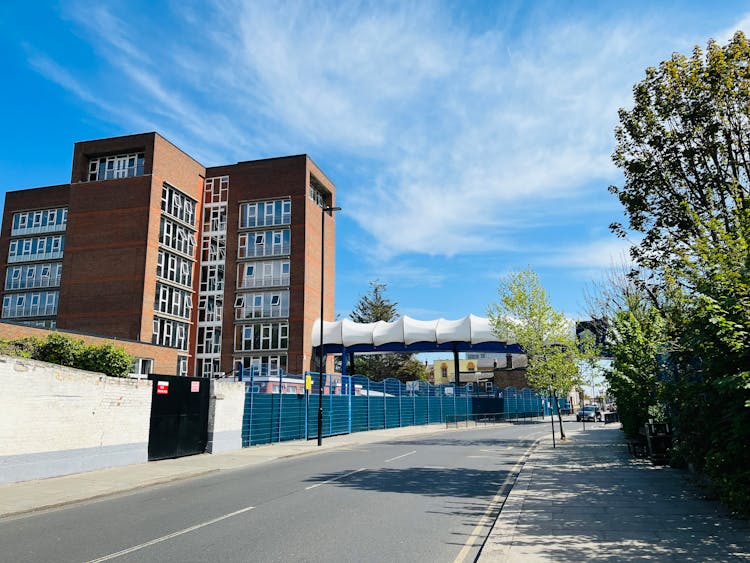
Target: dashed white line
[(400, 456), (335, 478), (170, 536)]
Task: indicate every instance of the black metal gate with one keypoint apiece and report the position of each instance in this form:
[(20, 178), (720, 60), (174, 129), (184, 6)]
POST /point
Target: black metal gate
[(179, 416)]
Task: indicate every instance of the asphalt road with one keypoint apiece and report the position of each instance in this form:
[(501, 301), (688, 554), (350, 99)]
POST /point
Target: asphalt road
[(429, 498)]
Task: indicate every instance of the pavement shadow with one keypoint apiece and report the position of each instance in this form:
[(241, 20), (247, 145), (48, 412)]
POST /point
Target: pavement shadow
[(589, 499)]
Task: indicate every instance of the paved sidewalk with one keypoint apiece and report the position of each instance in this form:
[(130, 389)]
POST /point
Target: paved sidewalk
[(29, 496), (588, 500)]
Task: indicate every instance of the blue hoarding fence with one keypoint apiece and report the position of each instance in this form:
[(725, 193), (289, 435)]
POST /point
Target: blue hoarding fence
[(281, 406)]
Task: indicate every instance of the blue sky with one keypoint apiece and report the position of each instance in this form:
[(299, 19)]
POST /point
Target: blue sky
[(466, 139)]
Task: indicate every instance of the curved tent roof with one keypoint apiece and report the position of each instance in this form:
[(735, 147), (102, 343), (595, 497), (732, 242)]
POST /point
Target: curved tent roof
[(468, 333)]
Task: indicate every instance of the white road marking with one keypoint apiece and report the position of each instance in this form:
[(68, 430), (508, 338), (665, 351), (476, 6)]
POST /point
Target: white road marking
[(170, 536), (400, 456), (497, 501), (335, 478)]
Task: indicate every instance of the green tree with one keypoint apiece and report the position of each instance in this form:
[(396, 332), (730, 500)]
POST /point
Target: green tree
[(373, 307), (22, 347), (412, 369), (633, 379), (106, 359), (61, 350), (684, 149), (525, 315)]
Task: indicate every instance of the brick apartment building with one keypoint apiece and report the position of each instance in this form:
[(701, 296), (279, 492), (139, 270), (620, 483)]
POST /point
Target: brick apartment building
[(145, 243)]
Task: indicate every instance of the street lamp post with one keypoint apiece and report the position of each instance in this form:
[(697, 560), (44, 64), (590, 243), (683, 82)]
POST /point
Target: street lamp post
[(323, 211)]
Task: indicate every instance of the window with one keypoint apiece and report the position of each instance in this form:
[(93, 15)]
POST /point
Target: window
[(212, 278), (267, 243), (210, 308), (34, 304), (265, 214), (262, 305), (172, 301), (168, 332), (215, 218), (177, 204), (176, 237), (142, 367), (119, 166), (216, 189), (316, 195), (39, 221)]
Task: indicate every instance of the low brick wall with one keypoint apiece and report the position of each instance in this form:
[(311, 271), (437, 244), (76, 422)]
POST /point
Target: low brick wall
[(225, 411), (56, 420), (165, 358)]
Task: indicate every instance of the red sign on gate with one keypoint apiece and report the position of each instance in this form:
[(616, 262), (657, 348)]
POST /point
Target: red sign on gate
[(162, 388), (195, 386)]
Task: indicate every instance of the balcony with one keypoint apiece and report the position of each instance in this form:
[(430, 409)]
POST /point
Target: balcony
[(39, 229), (52, 255), (263, 312), (265, 281), (33, 283), (29, 311), (260, 251)]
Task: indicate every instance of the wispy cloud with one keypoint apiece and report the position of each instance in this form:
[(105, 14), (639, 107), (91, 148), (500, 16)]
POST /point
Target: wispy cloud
[(466, 137)]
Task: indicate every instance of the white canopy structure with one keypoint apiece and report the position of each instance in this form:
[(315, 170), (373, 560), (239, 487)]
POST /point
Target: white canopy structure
[(344, 334), (471, 333)]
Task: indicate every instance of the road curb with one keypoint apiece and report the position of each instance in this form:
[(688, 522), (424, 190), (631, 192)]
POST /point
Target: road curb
[(505, 522), (99, 496), (436, 429)]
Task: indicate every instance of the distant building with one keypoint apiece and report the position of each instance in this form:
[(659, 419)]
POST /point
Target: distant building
[(147, 244)]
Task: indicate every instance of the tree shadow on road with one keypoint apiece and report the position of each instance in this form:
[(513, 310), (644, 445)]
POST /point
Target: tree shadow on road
[(503, 443)]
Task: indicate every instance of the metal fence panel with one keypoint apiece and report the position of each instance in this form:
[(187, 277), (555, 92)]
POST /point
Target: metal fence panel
[(357, 404), (377, 413), (360, 414)]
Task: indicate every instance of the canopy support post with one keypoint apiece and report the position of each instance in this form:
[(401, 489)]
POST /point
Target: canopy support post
[(456, 368)]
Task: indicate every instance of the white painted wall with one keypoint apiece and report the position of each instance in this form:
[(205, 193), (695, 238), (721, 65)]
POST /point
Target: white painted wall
[(225, 411), (56, 420)]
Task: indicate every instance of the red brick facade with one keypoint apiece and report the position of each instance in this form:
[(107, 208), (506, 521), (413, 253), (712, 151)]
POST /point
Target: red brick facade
[(109, 278), (165, 359)]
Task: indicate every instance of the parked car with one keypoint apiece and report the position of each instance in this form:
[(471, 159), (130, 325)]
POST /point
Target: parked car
[(589, 412)]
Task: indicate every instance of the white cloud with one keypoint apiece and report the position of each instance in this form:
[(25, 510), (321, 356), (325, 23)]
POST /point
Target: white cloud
[(467, 137), (743, 24), (592, 256)]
